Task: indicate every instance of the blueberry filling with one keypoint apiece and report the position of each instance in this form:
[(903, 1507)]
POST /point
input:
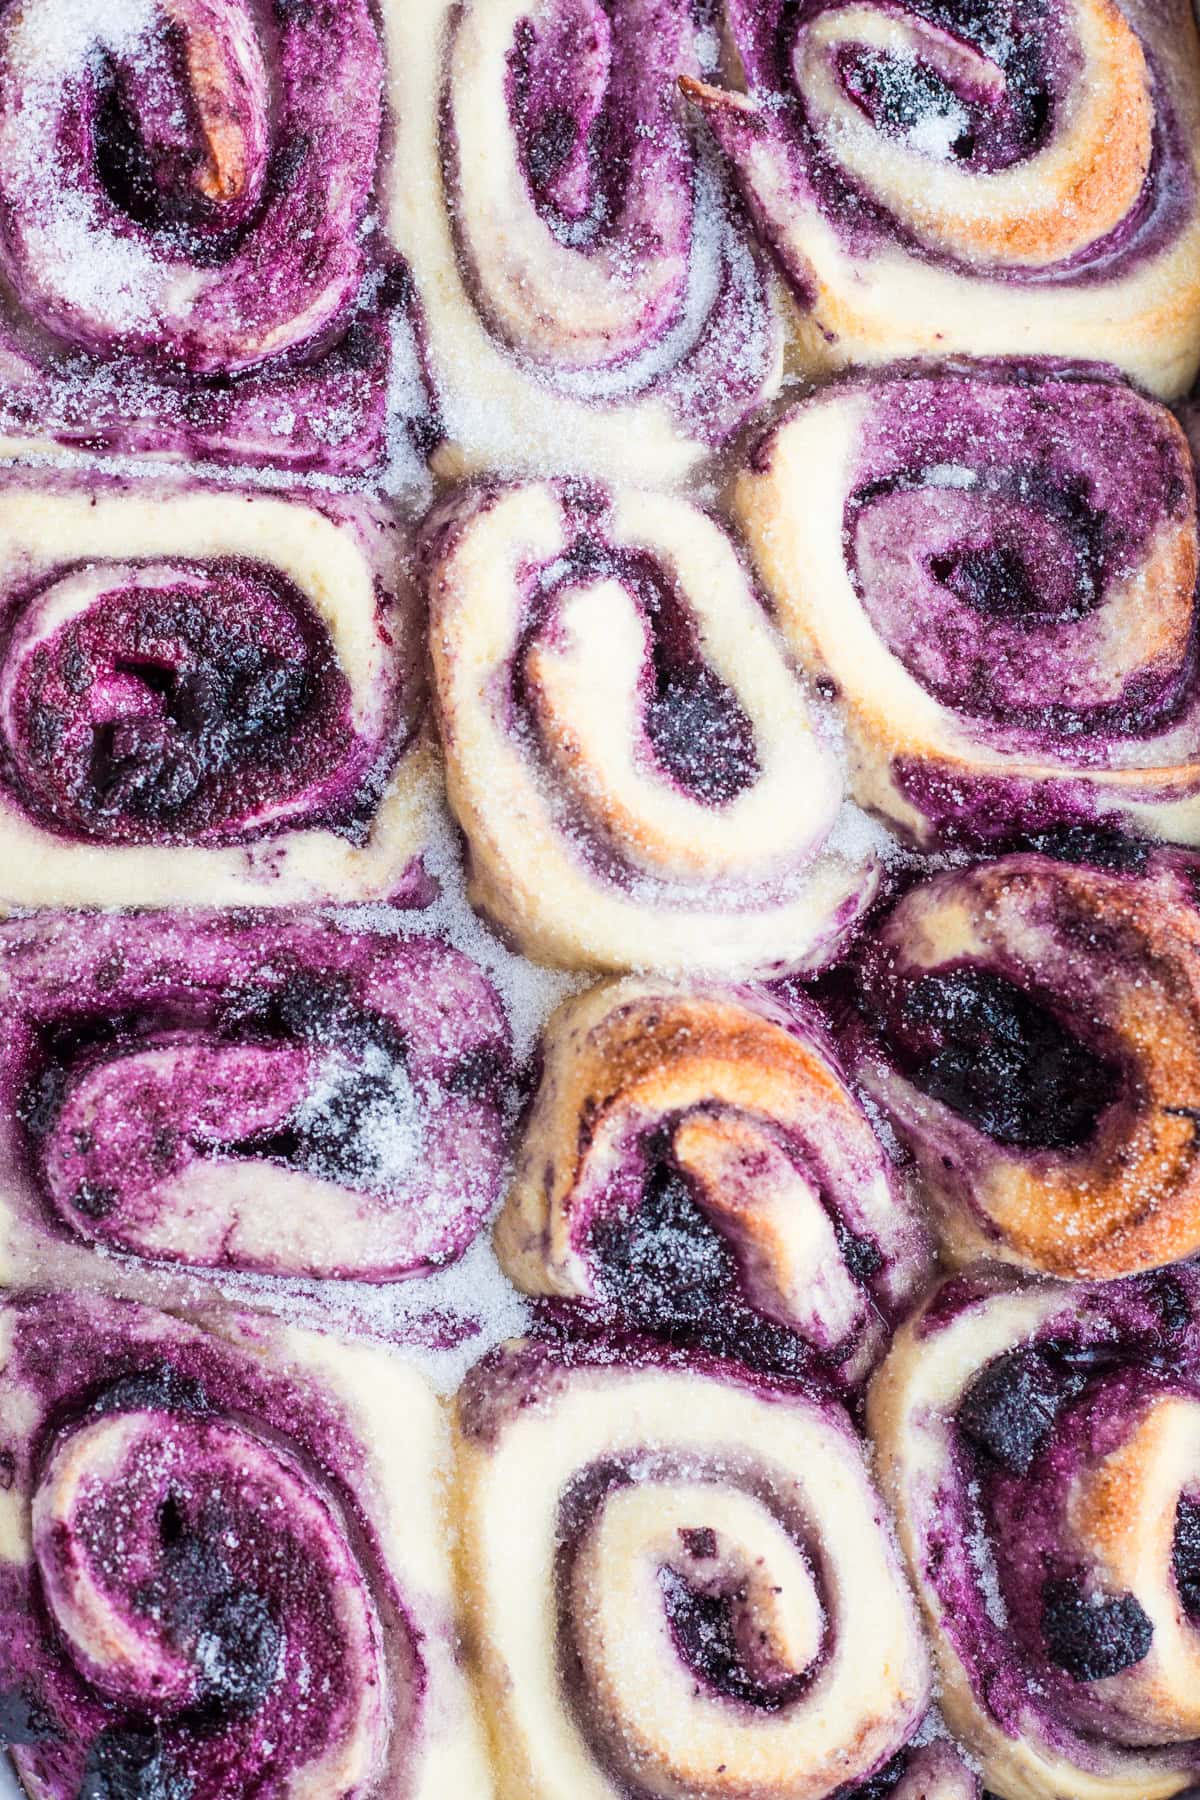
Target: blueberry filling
[(663, 1268), (148, 171), (240, 1652), (1186, 1555), (863, 1258), (131, 1763), (1093, 1639), (359, 1129), (224, 1626), (152, 766), (160, 1388), (363, 1122), (95, 1199), (307, 1007), (903, 96), (1169, 1295), (717, 1639), (991, 580), (23, 1720), (701, 736), (1009, 1411), (982, 1046), (697, 731), (884, 1782), (1092, 847), (570, 148), (156, 712), (551, 141), (360, 1126)]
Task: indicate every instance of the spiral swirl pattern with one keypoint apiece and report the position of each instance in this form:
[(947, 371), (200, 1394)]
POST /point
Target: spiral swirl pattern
[(995, 180), (998, 576), (629, 754), (186, 194), (157, 143), (1038, 1049), (678, 1584), (275, 1095), (1039, 1445), (694, 1164), (221, 1570), (590, 300), (205, 695)]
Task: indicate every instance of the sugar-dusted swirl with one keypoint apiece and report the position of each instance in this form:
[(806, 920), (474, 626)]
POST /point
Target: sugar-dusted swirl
[(628, 751), (589, 299), (1041, 1448), (678, 1583), (185, 181), (206, 696), (996, 572), (265, 1093), (222, 1570), (187, 240), (695, 1165), (1034, 1033), (992, 179)]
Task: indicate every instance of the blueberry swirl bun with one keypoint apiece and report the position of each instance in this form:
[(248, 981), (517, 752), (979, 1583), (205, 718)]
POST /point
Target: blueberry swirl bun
[(263, 1093), (997, 573), (1035, 1038), (994, 180), (695, 1164), (187, 257), (628, 752), (678, 1583), (1039, 1447), (206, 696), (589, 299), (223, 1572)]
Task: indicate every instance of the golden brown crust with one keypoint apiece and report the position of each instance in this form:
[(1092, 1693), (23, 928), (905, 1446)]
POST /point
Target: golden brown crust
[(1117, 958)]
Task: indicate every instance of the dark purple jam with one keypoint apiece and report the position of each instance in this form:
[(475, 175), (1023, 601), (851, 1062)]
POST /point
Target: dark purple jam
[(1186, 1555), (884, 1782), (339, 1141), (700, 734), (1093, 1638), (715, 1637), (176, 713), (147, 156), (1093, 847), (981, 1045), (23, 1720), (664, 1269), (1009, 1411), (984, 130), (992, 580), (131, 1763), (696, 729)]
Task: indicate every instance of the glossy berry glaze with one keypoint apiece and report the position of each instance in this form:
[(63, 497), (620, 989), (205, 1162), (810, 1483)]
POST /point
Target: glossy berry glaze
[(726, 1603), (997, 571), (247, 1093), (604, 672), (695, 1166), (201, 1593), (624, 282), (930, 154), (187, 242), (1039, 1444), (1034, 1033)]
